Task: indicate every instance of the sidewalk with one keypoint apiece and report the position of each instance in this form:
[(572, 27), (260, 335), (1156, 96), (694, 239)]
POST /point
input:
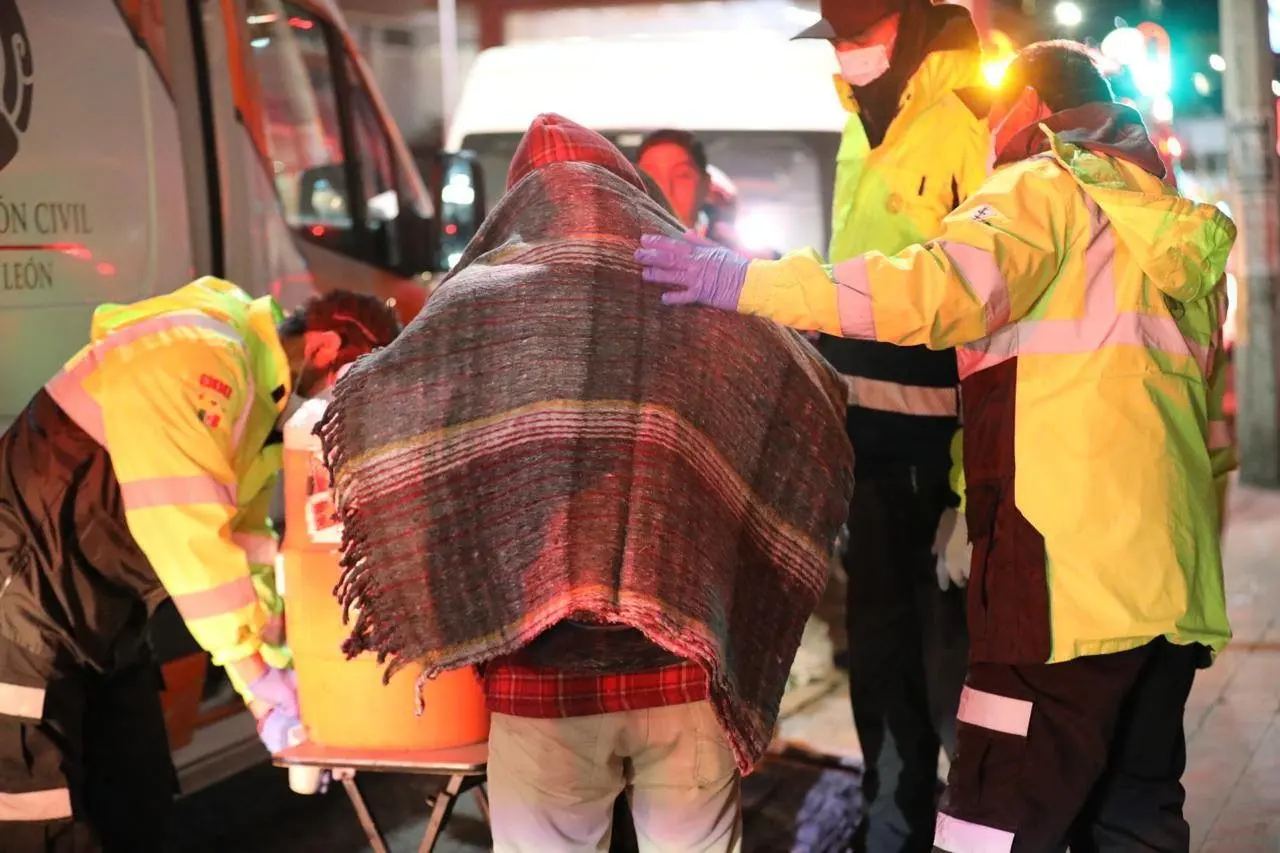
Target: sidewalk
[(1233, 716)]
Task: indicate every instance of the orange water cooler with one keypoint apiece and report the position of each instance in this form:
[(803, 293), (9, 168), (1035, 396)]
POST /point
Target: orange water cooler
[(344, 704)]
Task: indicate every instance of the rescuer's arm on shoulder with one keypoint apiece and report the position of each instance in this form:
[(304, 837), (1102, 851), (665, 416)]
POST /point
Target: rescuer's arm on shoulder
[(170, 424), (996, 256), (797, 291), (1222, 448)]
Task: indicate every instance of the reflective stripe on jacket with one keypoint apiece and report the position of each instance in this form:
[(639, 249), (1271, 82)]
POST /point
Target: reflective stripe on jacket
[(1086, 299), (183, 390)]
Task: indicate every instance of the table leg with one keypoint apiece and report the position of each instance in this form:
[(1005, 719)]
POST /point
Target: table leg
[(441, 809), (482, 800), (371, 832)]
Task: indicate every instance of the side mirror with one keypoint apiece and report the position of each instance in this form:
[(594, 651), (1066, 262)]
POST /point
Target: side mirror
[(322, 196), (459, 205)]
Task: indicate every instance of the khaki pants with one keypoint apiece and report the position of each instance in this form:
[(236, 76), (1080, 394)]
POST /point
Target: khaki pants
[(553, 783)]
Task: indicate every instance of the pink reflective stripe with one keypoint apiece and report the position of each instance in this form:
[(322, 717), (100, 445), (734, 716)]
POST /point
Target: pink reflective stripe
[(260, 548), (902, 399), (67, 389), (75, 402), (952, 835), (1101, 326), (853, 300), (985, 280), (54, 804), (18, 701), (1219, 435), (227, 598), (176, 491), (994, 712)]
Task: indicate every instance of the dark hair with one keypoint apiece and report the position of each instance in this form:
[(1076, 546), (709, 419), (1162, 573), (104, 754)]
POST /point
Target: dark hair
[(1062, 73), (683, 138), (363, 322)]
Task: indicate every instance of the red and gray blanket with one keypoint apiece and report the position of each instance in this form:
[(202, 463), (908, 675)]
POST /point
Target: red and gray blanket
[(548, 442)]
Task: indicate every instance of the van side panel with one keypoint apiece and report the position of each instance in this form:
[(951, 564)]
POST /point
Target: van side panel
[(93, 204)]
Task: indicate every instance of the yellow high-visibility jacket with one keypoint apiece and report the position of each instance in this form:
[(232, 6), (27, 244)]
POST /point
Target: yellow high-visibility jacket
[(934, 155), (182, 390), (1085, 297)]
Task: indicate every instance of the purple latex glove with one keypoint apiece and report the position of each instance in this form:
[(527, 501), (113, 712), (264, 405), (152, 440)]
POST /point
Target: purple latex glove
[(279, 689), (700, 273), (274, 729)]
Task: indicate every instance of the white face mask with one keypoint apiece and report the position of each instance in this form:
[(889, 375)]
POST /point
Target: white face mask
[(859, 67)]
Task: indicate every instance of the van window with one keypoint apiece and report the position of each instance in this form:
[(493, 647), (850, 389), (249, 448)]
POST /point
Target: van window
[(340, 180), (290, 53), (378, 177)]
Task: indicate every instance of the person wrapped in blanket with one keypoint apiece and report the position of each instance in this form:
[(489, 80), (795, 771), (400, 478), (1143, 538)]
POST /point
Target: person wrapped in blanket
[(649, 553)]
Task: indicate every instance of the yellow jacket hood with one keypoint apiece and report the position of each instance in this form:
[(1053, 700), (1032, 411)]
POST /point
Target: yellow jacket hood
[(1180, 244)]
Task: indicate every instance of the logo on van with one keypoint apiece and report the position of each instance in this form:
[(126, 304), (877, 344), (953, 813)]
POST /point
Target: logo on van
[(17, 86)]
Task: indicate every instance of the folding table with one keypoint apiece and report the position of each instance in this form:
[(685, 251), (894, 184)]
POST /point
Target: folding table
[(463, 767)]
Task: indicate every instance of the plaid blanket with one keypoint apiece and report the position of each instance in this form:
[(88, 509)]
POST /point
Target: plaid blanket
[(547, 441)]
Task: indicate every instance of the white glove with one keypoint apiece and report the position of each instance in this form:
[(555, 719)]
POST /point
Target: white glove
[(951, 547)]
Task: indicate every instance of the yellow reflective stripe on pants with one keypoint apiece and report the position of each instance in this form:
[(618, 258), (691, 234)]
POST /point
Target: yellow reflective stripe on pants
[(227, 598), (902, 399), (18, 701), (959, 836), (53, 804)]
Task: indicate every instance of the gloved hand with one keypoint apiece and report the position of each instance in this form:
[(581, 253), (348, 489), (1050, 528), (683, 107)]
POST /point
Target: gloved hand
[(700, 273), (274, 729), (951, 547), (278, 689)]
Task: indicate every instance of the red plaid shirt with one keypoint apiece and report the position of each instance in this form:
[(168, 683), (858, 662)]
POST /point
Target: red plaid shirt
[(526, 691)]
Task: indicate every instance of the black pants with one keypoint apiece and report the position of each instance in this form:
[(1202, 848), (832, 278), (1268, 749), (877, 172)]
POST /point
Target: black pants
[(81, 728), (103, 738), (1086, 754), (908, 650)]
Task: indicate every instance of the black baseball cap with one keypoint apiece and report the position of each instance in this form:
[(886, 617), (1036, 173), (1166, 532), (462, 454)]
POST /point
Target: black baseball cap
[(848, 19)]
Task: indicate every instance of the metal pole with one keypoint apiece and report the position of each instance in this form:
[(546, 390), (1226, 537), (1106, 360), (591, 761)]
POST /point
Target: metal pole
[(448, 11), (1255, 176)]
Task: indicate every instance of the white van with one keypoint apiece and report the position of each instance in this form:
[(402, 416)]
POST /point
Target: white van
[(145, 142), (765, 108)]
